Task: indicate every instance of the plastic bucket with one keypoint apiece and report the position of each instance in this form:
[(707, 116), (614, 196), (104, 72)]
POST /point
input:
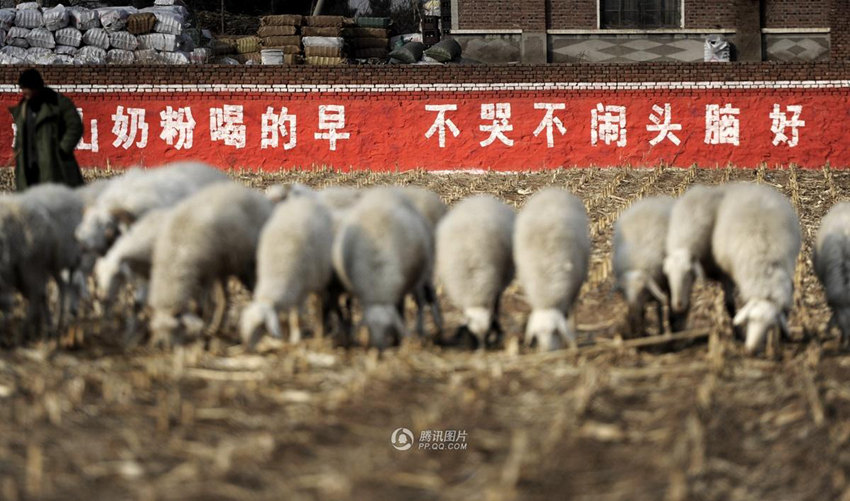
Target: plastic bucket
[(271, 56)]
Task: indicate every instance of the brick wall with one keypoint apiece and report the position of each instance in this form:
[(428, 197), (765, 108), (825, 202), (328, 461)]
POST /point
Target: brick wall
[(839, 17), (796, 13), (710, 14), (528, 15), (398, 74), (573, 14), (582, 14)]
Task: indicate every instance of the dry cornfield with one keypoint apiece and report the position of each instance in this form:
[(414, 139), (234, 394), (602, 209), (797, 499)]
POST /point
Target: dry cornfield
[(686, 420)]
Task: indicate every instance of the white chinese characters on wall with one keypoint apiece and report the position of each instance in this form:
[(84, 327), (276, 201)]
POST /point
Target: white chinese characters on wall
[(279, 126)]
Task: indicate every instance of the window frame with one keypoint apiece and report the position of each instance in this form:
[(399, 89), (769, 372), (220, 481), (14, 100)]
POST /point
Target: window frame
[(679, 26)]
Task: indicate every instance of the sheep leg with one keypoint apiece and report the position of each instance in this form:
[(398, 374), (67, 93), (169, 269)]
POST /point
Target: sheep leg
[(219, 300), (294, 325), (495, 325), (729, 303), (659, 311), (431, 298), (419, 299)]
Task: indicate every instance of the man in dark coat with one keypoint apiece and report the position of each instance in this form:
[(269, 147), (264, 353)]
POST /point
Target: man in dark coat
[(49, 129)]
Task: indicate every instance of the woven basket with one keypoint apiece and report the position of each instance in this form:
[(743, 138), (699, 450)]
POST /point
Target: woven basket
[(283, 20)]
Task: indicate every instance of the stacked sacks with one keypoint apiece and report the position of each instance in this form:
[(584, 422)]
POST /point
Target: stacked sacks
[(115, 35), (367, 43), (282, 33), (325, 49)]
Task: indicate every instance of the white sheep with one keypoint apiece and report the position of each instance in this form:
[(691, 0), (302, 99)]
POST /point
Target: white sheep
[(293, 261), (755, 243), (130, 196), (278, 193), (638, 258), (551, 254), (90, 191), (129, 259), (475, 262), (382, 251), (210, 236), (37, 243), (688, 247), (432, 208), (831, 259)]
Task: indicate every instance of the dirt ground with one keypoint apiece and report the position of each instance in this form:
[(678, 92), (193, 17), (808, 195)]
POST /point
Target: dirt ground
[(608, 421)]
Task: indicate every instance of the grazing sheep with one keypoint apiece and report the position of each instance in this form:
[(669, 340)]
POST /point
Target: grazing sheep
[(293, 261), (209, 237), (638, 257), (90, 192), (382, 251), (278, 193), (832, 265), (37, 243), (755, 243), (130, 257), (26, 262), (688, 247), (432, 208), (552, 253), (475, 261), (130, 196)]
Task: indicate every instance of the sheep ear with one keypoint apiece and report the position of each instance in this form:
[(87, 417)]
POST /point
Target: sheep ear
[(699, 270), (124, 217), (273, 324), (656, 291), (741, 316)]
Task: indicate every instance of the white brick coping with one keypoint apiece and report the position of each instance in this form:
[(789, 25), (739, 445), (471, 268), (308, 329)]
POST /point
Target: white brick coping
[(462, 87)]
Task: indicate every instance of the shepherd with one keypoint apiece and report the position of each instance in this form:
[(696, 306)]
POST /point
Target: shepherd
[(48, 129)]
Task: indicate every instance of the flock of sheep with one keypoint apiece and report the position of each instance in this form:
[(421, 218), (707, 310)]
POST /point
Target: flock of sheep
[(179, 232)]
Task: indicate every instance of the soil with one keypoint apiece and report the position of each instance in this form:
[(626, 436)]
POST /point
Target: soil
[(682, 421)]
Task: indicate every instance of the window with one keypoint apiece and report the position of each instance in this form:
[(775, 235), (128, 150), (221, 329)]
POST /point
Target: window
[(640, 14)]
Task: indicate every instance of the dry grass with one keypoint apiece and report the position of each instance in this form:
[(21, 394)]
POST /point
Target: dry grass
[(610, 421)]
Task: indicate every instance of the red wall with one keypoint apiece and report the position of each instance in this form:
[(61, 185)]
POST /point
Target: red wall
[(387, 130)]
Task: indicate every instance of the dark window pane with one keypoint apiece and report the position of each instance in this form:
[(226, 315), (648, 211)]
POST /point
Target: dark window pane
[(645, 14)]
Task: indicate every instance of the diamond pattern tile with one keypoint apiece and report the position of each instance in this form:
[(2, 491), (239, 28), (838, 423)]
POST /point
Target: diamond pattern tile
[(626, 49)]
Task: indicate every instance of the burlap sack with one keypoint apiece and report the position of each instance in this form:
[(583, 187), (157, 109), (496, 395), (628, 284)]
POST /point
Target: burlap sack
[(284, 20), (318, 31), (280, 41), (247, 45), (277, 31), (326, 21), (323, 51), (325, 61), (141, 23)]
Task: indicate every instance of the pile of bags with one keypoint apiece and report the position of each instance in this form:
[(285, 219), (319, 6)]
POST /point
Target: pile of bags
[(161, 34)]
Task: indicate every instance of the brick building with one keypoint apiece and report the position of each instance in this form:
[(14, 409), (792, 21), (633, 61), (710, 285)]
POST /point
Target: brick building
[(534, 31)]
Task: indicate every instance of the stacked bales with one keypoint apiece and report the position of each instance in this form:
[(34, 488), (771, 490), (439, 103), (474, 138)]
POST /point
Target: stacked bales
[(282, 33), (322, 40), (108, 35), (368, 43)]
